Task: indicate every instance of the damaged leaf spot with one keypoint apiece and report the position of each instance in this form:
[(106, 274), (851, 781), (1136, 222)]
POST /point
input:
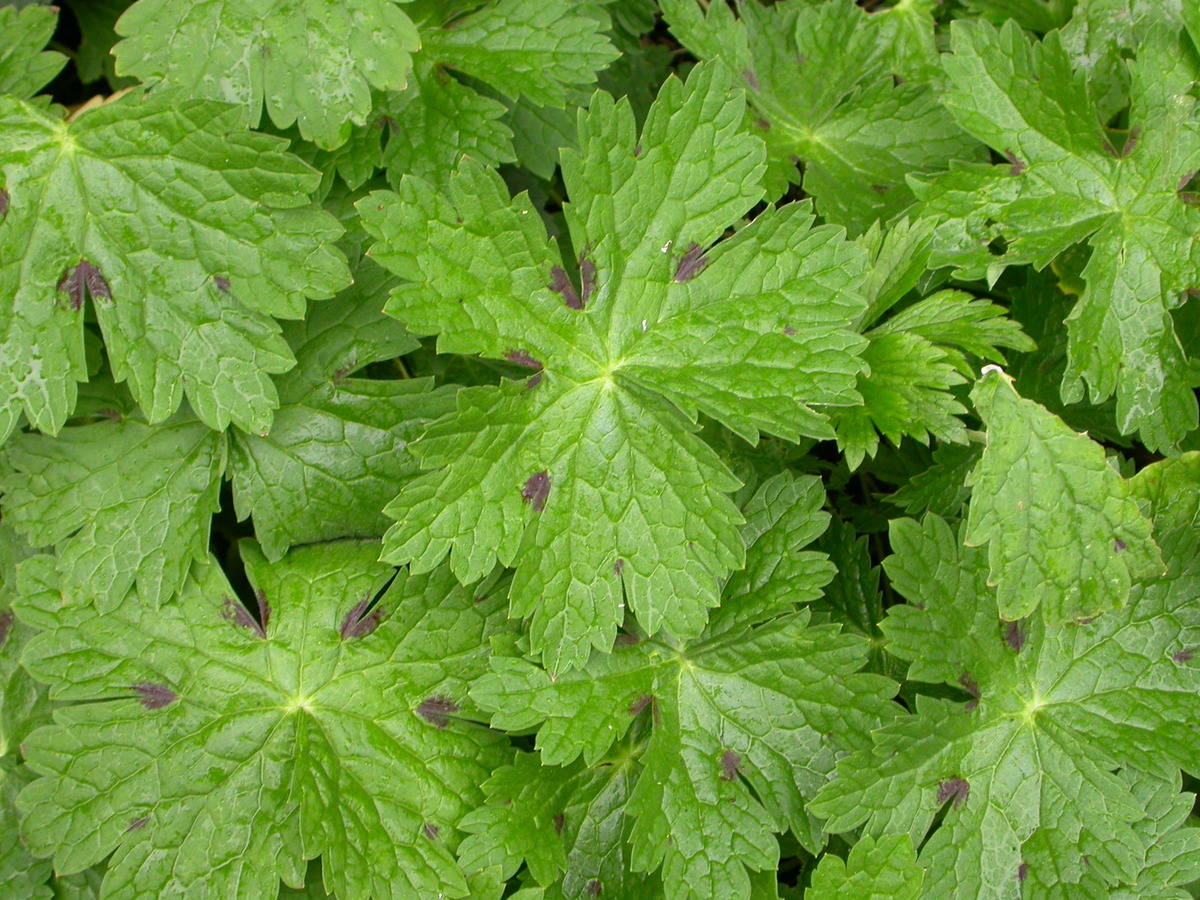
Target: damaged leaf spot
[(619, 567), (356, 625), (135, 824), (762, 124), (971, 686), (431, 831), (222, 283), (3, 203), (522, 358), (1015, 166), (1022, 872), (1131, 142), (84, 278), (1014, 636), (881, 189), (1118, 545), (537, 490), (561, 284), (587, 276), (534, 381), (692, 264), (789, 331), (6, 624), (956, 788), (154, 696), (751, 80), (437, 710), (636, 707), (233, 611), (731, 764), (595, 888), (1182, 656), (559, 821)]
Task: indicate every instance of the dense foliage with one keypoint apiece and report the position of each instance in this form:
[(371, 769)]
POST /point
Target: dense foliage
[(675, 450)]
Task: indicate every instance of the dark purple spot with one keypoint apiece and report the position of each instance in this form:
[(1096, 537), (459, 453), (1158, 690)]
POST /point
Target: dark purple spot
[(388, 122), (587, 277), (233, 611), (6, 623), (3, 203), (1022, 872), (953, 787), (919, 605), (1182, 656), (522, 358), (534, 381), (1110, 149), (763, 124), (154, 696), (135, 824), (1087, 620), (431, 831), (1131, 142), (881, 188), (1016, 166), (559, 821), (625, 640), (789, 330), (1014, 636), (637, 151), (84, 278), (751, 80), (1185, 181), (537, 490), (339, 375), (358, 625), (692, 264), (595, 888), (437, 710), (618, 567), (458, 220), (897, 80), (971, 686), (561, 284), (731, 763), (222, 283), (1118, 545), (640, 703)]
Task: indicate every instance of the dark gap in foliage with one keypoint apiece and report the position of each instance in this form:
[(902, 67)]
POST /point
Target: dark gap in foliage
[(223, 540)]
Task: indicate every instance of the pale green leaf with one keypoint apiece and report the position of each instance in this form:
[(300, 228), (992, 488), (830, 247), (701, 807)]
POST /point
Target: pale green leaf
[(24, 67), (884, 869)]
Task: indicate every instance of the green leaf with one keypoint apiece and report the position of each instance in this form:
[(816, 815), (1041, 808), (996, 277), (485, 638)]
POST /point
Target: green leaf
[(589, 478), (312, 63), (338, 447), (23, 704), (941, 489), (224, 747), (1022, 772), (97, 21), (1065, 181), (22, 876), (1063, 530), (820, 94), (24, 68), (187, 234), (125, 504), (875, 870)]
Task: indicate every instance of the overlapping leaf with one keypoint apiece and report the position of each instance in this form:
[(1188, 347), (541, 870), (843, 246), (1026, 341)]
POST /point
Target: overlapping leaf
[(1025, 766), (821, 94), (874, 870), (1067, 180), (213, 750), (588, 478), (187, 234), (25, 66)]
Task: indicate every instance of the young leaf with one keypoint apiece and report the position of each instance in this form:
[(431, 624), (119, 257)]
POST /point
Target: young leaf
[(187, 234), (821, 96), (875, 870), (588, 478), (1024, 765), (125, 504), (1066, 181), (24, 67), (1063, 529), (223, 749), (312, 63)]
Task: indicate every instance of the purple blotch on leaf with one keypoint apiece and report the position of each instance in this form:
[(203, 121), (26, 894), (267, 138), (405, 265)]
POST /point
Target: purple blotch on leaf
[(595, 888), (234, 612), (1118, 545), (559, 821), (431, 831), (357, 625), (788, 330), (1015, 166), (1022, 871), (6, 623), (619, 566), (3, 203), (881, 188), (751, 80), (731, 763), (587, 277), (534, 381), (1014, 636), (561, 284), (437, 710), (1185, 180), (692, 264), (537, 490), (640, 703), (953, 787), (763, 124), (971, 686), (1131, 141), (84, 278), (154, 696), (1110, 149), (1182, 656), (222, 283), (135, 824), (522, 358)]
